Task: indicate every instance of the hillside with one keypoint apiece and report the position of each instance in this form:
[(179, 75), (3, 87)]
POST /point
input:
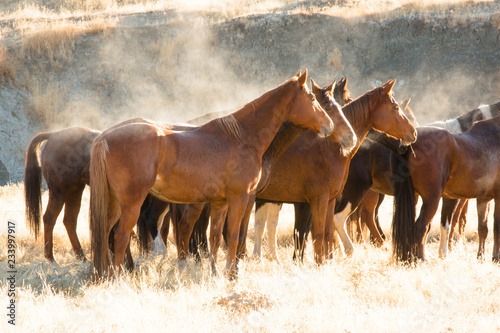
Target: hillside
[(173, 64)]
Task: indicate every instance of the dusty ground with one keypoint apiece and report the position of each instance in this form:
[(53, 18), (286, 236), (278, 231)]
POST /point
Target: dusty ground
[(173, 65)]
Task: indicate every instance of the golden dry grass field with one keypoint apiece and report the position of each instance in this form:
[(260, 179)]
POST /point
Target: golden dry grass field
[(367, 292), (364, 293)]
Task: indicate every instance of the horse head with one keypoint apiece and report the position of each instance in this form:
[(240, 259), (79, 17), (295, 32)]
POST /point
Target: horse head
[(341, 94), (305, 110), (389, 117), (344, 134)]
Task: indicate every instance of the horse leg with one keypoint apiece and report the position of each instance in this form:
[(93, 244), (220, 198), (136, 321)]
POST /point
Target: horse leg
[(236, 210), (423, 223), (463, 218), (217, 216), (496, 233), (165, 226), (157, 212), (377, 220), (129, 214), (241, 250), (367, 214), (129, 261), (53, 210), (454, 218), (201, 230), (261, 216), (71, 210), (482, 225), (339, 222), (448, 210), (301, 228), (272, 230), (329, 229), (184, 230), (319, 208)]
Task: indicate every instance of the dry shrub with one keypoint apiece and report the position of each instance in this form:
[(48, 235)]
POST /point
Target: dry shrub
[(57, 42), (8, 65), (47, 101), (98, 26)]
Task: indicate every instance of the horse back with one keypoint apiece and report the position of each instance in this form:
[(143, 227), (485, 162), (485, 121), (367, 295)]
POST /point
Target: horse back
[(66, 156), (476, 162)]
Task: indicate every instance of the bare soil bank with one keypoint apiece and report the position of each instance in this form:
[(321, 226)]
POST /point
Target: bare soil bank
[(173, 66)]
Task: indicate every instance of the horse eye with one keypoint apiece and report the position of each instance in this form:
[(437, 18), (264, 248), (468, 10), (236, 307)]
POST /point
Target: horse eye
[(328, 108), (396, 107), (311, 97)]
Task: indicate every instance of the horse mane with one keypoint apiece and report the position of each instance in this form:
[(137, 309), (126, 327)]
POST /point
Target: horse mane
[(231, 125), (356, 112)]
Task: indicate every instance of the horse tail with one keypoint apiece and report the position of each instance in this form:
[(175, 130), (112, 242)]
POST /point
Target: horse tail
[(33, 183), (403, 222), (99, 200)]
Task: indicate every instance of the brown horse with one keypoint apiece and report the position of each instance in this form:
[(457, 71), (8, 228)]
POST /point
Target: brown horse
[(457, 166), (220, 162), (64, 163), (381, 178), (286, 135), (452, 210), (315, 170)]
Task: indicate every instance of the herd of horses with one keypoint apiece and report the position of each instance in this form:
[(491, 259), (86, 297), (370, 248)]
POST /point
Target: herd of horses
[(330, 156)]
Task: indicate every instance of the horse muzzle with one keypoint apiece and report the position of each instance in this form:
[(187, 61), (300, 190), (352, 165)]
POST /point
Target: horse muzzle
[(348, 142), (326, 130), (410, 139)]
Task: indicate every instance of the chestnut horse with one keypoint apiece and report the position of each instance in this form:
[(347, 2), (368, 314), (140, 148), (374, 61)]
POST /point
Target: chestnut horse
[(367, 168), (64, 163), (286, 135), (315, 170), (220, 162), (457, 166)]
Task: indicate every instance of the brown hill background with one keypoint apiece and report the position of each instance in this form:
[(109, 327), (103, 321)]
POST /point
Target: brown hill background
[(175, 63)]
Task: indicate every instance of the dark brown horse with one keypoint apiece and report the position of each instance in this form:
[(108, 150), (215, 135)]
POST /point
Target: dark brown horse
[(315, 170), (450, 206), (219, 162), (457, 166), (64, 163)]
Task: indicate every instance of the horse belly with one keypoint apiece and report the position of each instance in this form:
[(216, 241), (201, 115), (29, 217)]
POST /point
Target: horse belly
[(480, 186)]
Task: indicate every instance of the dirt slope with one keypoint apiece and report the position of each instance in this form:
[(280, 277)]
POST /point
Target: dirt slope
[(174, 66)]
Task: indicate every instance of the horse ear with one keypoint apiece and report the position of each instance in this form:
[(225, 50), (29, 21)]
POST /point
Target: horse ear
[(343, 83), (315, 88), (405, 103), (303, 78), (298, 73), (386, 88), (331, 87)]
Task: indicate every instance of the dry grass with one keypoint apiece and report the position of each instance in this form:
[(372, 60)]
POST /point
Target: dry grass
[(9, 65), (365, 293), (47, 100), (43, 9)]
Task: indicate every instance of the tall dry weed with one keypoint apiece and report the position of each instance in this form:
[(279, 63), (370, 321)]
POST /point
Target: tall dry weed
[(9, 65), (47, 100)]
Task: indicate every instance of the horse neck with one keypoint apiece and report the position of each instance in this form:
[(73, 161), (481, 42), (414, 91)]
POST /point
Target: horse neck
[(261, 119), (358, 113), (383, 139), (466, 120), (286, 135), (494, 109)]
